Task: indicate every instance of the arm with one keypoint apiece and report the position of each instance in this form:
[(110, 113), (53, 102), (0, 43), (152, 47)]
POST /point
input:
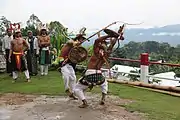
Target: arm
[(39, 41), (46, 43), (113, 42), (27, 42), (26, 45), (101, 39), (11, 50), (37, 45)]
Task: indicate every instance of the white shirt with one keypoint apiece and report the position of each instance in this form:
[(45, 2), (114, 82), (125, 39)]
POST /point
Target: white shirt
[(35, 44), (6, 42)]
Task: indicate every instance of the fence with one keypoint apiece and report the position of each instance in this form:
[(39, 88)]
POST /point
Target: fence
[(144, 67)]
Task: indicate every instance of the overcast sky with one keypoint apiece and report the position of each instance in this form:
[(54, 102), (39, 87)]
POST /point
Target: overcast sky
[(94, 13)]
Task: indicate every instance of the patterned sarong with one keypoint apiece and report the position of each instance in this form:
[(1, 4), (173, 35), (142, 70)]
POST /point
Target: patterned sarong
[(92, 79)]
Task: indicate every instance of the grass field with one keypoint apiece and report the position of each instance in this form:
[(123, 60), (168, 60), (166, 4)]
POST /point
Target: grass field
[(156, 105)]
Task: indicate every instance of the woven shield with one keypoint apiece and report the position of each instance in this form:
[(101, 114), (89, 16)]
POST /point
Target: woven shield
[(78, 54)]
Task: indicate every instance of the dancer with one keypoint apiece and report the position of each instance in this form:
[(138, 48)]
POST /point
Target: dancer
[(44, 44), (67, 67), (17, 56), (93, 75)]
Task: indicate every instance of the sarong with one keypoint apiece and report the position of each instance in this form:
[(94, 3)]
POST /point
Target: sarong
[(32, 62), (92, 79), (18, 61), (44, 57)]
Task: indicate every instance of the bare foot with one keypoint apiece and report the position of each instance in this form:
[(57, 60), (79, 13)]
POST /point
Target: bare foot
[(13, 81), (72, 96), (28, 80), (83, 105), (102, 102)]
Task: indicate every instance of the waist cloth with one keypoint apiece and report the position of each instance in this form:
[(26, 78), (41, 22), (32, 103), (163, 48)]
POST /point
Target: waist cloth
[(19, 62), (44, 58), (92, 77)]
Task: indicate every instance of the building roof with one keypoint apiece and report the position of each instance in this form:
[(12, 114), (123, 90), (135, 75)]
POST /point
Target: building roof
[(125, 69), (166, 82)]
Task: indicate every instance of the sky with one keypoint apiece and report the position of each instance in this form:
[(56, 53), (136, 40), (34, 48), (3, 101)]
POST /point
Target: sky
[(94, 14)]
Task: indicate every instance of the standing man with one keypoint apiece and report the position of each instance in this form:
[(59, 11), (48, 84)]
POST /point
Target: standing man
[(67, 67), (44, 45), (17, 56), (6, 43), (32, 53), (93, 76)]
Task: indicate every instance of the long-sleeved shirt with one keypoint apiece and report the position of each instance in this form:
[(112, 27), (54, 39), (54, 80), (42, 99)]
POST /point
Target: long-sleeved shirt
[(6, 42), (35, 44)]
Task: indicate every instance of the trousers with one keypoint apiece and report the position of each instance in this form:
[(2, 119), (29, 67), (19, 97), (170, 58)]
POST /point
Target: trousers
[(80, 88), (69, 77), (15, 74), (8, 64)]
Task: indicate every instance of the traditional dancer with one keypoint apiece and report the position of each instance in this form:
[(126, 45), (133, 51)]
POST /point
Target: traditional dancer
[(67, 67), (17, 57), (44, 44), (6, 43), (93, 76), (32, 53)]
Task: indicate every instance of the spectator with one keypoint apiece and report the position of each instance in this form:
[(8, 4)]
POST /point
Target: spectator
[(32, 53)]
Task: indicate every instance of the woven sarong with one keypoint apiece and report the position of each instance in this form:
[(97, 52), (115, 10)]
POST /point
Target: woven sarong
[(92, 79)]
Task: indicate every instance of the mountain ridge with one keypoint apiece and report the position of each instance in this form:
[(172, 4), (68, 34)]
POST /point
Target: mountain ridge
[(169, 34)]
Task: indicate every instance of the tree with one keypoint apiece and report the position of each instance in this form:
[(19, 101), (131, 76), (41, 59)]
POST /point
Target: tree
[(33, 24), (34, 21), (4, 24), (59, 35)]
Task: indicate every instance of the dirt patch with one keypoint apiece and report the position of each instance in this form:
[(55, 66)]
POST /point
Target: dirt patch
[(62, 108), (15, 98)]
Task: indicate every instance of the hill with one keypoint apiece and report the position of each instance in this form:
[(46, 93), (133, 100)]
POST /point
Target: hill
[(169, 34)]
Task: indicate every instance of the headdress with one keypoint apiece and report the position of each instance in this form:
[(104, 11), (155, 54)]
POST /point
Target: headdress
[(15, 27)]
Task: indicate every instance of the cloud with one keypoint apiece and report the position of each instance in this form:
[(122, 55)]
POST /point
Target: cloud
[(94, 14), (166, 33)]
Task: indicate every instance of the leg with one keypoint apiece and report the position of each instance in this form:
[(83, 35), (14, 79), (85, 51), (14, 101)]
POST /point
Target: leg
[(26, 72), (65, 74), (45, 69), (42, 69), (15, 76), (72, 81), (8, 64), (79, 88), (72, 78), (104, 89)]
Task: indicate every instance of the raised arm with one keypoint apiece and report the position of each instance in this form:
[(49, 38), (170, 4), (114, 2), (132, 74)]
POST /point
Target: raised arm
[(101, 39)]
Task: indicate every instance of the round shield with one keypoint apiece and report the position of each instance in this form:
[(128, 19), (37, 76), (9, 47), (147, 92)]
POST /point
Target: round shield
[(111, 33), (78, 54)]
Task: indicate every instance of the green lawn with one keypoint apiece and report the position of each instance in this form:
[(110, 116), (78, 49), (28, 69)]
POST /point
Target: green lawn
[(158, 106)]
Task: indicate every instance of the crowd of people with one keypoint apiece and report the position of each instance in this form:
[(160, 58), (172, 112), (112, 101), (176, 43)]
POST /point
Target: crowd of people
[(21, 55)]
